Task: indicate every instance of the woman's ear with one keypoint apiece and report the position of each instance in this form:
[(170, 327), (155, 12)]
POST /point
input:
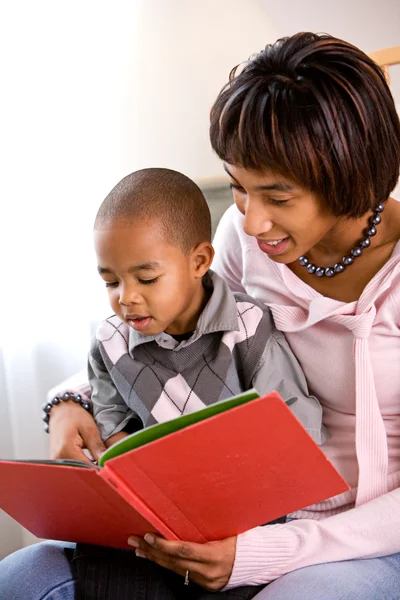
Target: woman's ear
[(202, 257)]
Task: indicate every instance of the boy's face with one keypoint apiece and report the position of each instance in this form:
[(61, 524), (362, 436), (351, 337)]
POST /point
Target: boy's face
[(152, 286)]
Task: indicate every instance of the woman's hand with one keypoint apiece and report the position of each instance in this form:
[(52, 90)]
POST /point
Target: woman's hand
[(210, 565), (72, 429)]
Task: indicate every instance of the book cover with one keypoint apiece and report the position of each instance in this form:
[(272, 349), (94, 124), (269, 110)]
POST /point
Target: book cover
[(202, 477)]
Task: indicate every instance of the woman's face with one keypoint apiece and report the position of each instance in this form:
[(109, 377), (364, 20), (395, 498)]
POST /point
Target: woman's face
[(286, 219)]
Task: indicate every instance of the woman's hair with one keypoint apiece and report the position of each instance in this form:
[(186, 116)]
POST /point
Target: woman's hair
[(317, 110)]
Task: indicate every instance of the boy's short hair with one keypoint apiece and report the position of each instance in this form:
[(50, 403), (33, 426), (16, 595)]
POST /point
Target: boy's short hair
[(170, 198), (317, 110)]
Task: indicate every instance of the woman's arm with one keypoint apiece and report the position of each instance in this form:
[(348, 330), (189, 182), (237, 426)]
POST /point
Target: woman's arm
[(265, 553)]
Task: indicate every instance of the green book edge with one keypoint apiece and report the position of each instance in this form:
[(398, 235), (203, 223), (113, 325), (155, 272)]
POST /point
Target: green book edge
[(155, 432), (63, 462)]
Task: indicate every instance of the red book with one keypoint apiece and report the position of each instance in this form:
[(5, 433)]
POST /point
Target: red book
[(202, 477)]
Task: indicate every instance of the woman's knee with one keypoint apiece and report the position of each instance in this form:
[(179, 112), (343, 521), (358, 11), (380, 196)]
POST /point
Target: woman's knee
[(367, 579), (41, 571)]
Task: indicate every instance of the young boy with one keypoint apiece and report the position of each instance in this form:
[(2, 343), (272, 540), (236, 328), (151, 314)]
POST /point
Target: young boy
[(179, 339)]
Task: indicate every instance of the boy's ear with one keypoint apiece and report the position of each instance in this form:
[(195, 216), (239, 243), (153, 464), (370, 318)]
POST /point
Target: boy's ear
[(202, 256)]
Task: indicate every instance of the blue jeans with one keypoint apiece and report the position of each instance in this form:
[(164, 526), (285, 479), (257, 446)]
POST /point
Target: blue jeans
[(42, 572), (39, 572)]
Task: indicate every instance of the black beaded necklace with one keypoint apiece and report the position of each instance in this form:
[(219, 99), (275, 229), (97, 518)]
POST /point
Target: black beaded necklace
[(354, 253)]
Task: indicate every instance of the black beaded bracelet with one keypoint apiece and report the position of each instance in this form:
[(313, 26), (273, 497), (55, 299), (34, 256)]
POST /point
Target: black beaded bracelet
[(66, 396)]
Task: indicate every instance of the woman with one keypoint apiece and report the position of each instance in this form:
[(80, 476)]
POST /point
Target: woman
[(310, 140)]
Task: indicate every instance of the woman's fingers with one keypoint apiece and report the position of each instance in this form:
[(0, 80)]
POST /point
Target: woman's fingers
[(210, 565), (176, 549), (179, 566)]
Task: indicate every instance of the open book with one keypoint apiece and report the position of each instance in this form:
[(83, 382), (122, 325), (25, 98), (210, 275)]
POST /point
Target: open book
[(201, 477)]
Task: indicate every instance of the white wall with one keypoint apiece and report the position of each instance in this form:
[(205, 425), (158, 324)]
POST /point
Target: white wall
[(182, 53), (10, 533), (368, 24)]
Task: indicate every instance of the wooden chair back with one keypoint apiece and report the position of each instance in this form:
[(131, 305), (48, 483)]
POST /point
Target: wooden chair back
[(386, 58)]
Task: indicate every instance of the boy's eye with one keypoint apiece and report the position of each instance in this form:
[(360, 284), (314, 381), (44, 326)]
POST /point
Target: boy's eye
[(238, 188), (148, 281), (278, 202), (111, 284)]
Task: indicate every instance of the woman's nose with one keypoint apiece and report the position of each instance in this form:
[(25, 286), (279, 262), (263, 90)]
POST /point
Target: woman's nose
[(256, 220)]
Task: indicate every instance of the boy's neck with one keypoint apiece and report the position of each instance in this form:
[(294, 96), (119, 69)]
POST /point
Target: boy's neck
[(189, 320)]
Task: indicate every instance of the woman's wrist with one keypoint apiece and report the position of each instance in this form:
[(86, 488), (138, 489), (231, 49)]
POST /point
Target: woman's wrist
[(68, 396)]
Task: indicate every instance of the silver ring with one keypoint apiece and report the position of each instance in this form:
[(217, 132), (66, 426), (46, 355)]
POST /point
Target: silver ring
[(186, 578)]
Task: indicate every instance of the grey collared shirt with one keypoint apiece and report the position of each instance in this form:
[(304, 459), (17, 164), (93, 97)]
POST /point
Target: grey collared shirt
[(234, 347)]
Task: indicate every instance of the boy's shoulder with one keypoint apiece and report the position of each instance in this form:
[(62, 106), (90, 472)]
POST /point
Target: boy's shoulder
[(112, 335), (242, 298), (236, 309), (255, 322), (249, 307), (112, 327)]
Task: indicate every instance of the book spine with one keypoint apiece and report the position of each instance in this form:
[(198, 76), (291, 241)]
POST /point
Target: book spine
[(174, 516), (117, 483)]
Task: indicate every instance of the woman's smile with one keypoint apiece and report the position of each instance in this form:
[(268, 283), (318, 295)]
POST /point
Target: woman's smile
[(273, 247)]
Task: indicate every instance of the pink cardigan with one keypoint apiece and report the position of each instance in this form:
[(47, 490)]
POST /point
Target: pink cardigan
[(350, 354)]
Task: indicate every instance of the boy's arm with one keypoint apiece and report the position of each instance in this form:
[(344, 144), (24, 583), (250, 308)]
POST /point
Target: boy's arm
[(111, 413), (279, 370)]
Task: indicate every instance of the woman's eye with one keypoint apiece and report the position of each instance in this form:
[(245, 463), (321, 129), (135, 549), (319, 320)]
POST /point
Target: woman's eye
[(111, 284), (148, 281)]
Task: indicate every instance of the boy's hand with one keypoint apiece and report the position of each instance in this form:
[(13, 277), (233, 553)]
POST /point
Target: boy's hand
[(115, 438), (210, 565), (72, 429)]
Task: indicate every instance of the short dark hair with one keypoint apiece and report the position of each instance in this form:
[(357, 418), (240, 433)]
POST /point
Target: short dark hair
[(171, 199), (317, 110)]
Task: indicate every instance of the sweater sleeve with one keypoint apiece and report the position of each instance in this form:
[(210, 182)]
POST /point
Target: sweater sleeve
[(266, 553), (109, 408), (228, 260), (279, 370)]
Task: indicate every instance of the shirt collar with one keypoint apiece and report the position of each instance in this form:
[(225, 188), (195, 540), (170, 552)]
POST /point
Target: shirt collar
[(219, 314)]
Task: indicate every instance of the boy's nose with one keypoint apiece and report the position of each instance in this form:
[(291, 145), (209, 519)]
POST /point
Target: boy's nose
[(128, 296)]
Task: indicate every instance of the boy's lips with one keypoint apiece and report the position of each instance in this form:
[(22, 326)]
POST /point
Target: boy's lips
[(273, 247), (138, 322)]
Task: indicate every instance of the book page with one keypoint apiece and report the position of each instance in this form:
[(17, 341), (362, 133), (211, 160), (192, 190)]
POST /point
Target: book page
[(149, 434)]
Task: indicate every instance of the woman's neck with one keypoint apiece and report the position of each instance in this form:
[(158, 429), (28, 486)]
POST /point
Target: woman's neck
[(349, 285), (341, 239)]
